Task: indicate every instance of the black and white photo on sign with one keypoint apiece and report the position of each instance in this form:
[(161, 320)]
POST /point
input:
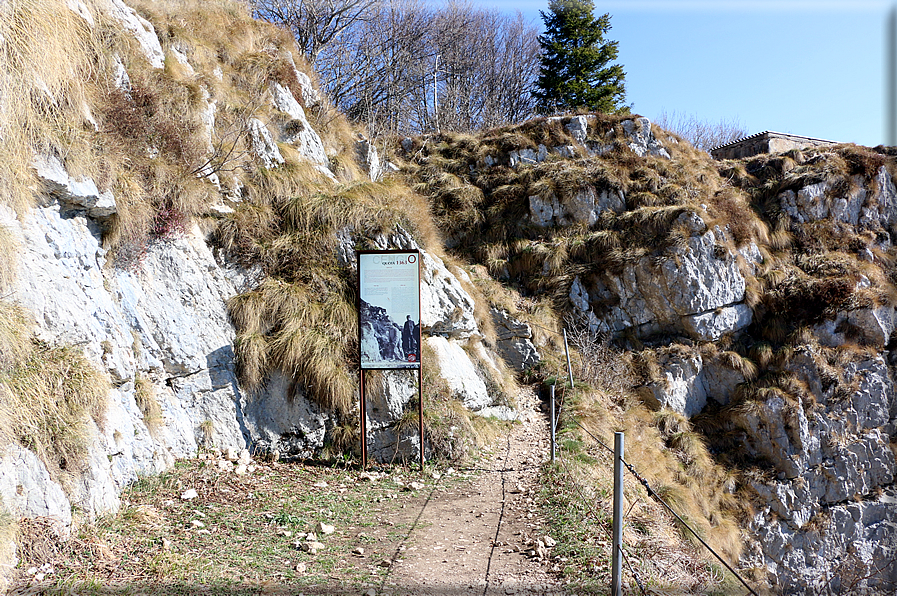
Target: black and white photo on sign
[(389, 310)]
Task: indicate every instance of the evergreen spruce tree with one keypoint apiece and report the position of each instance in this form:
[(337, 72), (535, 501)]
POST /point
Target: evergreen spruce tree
[(576, 70)]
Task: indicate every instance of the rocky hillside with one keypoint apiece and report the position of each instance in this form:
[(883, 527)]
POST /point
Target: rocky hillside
[(180, 211), (754, 298)]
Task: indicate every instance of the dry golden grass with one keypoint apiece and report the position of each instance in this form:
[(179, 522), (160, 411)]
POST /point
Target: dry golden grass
[(48, 395), (15, 342), (9, 531), (50, 62), (148, 403), (9, 249), (675, 461)]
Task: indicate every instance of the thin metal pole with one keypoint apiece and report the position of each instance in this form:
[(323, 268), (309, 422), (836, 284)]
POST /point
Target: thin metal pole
[(553, 439), (616, 588), (364, 432), (420, 412), (569, 367)]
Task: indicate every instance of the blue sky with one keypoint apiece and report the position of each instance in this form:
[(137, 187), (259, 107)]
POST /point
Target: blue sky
[(807, 67)]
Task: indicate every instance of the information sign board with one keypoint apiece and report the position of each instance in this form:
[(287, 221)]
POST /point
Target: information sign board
[(389, 309)]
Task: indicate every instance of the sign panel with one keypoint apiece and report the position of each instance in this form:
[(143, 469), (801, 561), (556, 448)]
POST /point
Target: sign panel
[(389, 309)]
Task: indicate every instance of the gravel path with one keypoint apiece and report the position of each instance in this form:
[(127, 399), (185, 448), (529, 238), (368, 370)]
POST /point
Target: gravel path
[(478, 537)]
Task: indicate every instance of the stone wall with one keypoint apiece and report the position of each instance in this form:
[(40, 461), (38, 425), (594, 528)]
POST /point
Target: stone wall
[(765, 142)]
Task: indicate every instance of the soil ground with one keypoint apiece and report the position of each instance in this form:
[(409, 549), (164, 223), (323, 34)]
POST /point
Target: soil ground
[(473, 538), (397, 531)]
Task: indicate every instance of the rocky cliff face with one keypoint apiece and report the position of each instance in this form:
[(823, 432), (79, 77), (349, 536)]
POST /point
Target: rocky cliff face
[(757, 298), (150, 309)]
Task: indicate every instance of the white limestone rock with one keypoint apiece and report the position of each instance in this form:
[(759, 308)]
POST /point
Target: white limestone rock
[(456, 367), (120, 75), (567, 151), (211, 400), (207, 117), (80, 8), (369, 159), (60, 280), (310, 96), (78, 192), (388, 396), (514, 341), (179, 53), (699, 291), (176, 303), (681, 387), (853, 553), (720, 382), (585, 206), (542, 209), (263, 145), (27, 489), (807, 204), (642, 140), (285, 102), (872, 326), (712, 325), (847, 209), (445, 306), (298, 131), (134, 451), (813, 203), (95, 490), (504, 413), (165, 320), (140, 28), (781, 433), (281, 418), (578, 127), (527, 156), (835, 467), (885, 199), (579, 296)]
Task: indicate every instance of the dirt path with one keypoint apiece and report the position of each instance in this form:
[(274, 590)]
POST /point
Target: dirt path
[(478, 537)]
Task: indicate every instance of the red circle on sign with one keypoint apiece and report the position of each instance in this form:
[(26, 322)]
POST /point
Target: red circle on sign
[(412, 258)]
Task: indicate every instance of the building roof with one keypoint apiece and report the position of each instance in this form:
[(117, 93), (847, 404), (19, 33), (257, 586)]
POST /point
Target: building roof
[(772, 133)]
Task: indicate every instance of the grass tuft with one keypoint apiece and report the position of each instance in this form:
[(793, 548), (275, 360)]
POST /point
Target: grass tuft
[(148, 403), (49, 396)]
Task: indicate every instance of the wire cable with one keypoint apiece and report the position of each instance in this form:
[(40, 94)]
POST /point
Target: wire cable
[(647, 486), (659, 499), (632, 570), (595, 516)]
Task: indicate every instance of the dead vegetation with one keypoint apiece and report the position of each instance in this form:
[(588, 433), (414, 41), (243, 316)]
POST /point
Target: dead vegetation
[(49, 397), (483, 209)]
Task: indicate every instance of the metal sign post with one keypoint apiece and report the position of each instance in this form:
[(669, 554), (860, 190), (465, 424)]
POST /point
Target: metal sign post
[(420, 413), (389, 322), (364, 433), (616, 587)]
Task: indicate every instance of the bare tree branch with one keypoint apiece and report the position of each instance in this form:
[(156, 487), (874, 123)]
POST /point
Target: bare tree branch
[(702, 134)]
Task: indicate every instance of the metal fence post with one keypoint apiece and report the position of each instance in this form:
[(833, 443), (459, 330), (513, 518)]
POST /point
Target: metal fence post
[(569, 367), (553, 438), (616, 588)]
